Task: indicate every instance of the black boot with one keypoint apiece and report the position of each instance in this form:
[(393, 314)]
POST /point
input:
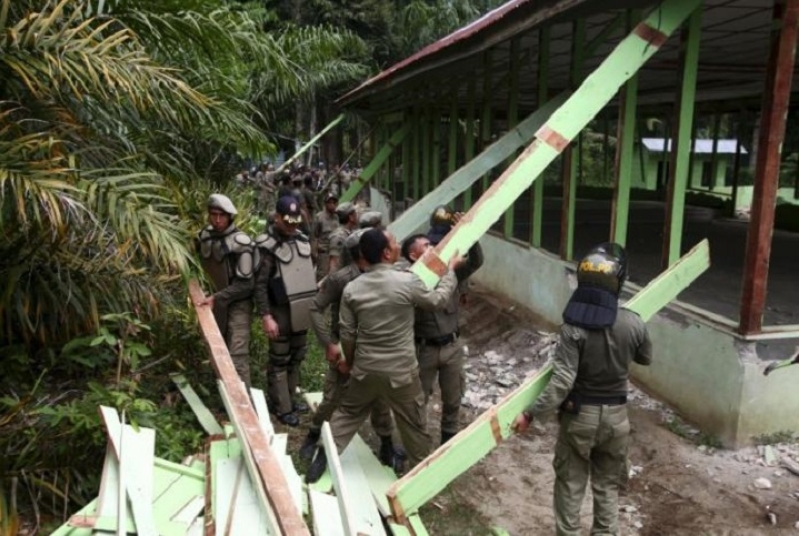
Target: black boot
[(289, 419), (299, 406), (390, 455), (317, 468), (446, 436), (309, 445)]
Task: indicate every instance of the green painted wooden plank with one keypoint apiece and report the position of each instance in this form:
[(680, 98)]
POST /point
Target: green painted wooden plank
[(378, 476), (252, 468), (398, 530), (416, 525), (203, 414), (310, 143), (460, 181), (484, 434), (681, 146), (326, 516), (567, 121), (371, 169), (135, 452), (259, 403), (79, 523), (537, 195), (193, 471), (345, 507), (665, 287), (366, 517)]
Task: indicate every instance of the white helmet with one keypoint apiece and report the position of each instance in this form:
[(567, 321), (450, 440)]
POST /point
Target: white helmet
[(222, 202)]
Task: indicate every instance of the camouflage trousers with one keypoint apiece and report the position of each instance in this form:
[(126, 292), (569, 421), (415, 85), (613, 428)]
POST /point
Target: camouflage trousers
[(444, 363), (335, 387), (591, 445)]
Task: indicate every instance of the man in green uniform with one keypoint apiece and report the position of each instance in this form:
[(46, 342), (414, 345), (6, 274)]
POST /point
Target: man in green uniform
[(325, 222), (348, 222), (598, 341), (437, 349), (329, 295), (228, 257), (371, 219), (284, 289), (376, 325)]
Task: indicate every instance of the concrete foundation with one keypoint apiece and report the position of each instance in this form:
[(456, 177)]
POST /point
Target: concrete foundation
[(702, 368)]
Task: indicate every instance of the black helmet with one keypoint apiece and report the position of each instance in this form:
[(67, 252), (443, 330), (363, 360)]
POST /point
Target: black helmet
[(442, 215), (605, 267)]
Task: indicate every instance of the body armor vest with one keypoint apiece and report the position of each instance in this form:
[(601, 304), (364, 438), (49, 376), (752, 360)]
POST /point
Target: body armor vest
[(214, 256), (294, 282)]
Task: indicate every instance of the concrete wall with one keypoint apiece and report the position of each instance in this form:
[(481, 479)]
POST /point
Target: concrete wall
[(701, 367)]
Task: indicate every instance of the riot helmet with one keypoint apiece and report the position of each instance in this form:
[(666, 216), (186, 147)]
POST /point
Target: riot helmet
[(604, 267)]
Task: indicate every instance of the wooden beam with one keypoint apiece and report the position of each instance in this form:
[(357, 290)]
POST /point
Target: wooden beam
[(537, 195), (380, 158), (310, 144), (681, 143), (204, 416), (513, 119), (472, 444), (593, 94), (469, 138), (462, 180), (776, 98), (267, 475)]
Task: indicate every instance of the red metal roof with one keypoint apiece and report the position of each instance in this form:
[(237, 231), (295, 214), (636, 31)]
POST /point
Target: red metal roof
[(457, 36)]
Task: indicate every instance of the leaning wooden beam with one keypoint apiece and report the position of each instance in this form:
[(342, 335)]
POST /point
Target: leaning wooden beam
[(267, 473), (552, 138), (380, 158), (206, 418), (467, 448), (462, 180), (311, 143)]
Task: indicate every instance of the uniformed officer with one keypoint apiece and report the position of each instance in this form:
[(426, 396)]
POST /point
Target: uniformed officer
[(325, 222), (371, 219), (598, 341), (348, 222), (437, 349), (228, 257), (329, 295), (284, 289), (376, 325)]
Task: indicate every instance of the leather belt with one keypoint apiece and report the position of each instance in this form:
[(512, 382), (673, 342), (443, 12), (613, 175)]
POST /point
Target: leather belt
[(603, 400), (444, 340)]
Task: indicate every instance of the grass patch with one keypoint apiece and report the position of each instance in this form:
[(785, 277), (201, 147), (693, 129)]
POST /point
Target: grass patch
[(679, 428)]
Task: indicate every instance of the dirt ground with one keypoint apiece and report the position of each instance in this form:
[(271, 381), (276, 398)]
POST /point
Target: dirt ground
[(683, 483)]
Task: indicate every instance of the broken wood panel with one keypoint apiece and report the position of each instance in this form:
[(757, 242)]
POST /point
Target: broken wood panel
[(551, 139), (250, 457), (259, 401), (79, 523), (241, 512), (135, 452), (460, 181), (345, 507), (326, 516), (203, 414), (366, 518), (267, 475), (313, 400), (479, 438)]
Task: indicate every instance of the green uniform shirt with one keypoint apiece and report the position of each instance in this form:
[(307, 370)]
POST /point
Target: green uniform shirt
[(337, 249), (595, 362), (324, 225), (377, 314)]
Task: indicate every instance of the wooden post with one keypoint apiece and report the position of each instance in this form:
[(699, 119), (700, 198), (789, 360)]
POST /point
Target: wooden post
[(513, 118), (736, 166), (469, 137), (485, 118), (537, 197), (681, 138), (767, 168)]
